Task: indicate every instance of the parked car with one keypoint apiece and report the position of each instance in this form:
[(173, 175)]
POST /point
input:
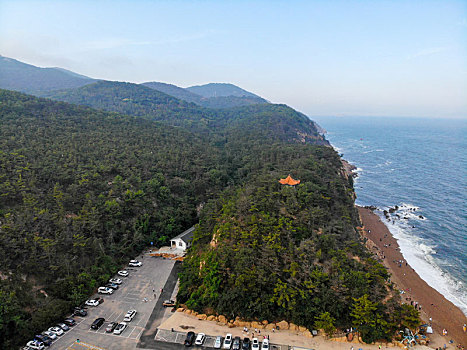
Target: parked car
[(265, 344), (98, 322), (255, 344), (135, 263), (190, 338), (120, 328), (110, 327), (227, 341), (57, 330), (80, 312), (123, 273), (201, 337), (44, 339), (92, 302), (50, 334), (64, 327), (218, 342), (246, 344), (69, 322), (115, 280), (35, 345), (105, 290), (236, 343), (130, 315), (168, 303), (112, 285)]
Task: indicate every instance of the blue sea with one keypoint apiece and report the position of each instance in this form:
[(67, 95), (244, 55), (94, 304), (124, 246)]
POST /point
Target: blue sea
[(420, 165)]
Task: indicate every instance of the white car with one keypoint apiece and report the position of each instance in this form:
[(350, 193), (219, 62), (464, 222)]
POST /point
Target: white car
[(115, 280), (57, 330), (218, 342), (50, 334), (130, 315), (200, 339), (227, 341), (265, 344), (36, 345), (105, 290), (135, 263), (123, 273), (92, 302), (120, 328), (255, 344)]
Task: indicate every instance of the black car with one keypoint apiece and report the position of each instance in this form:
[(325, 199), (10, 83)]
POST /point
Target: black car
[(246, 344), (69, 322), (43, 338), (80, 312), (98, 323), (236, 343), (190, 338), (112, 285)]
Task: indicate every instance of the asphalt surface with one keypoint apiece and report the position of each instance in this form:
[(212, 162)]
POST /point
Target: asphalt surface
[(147, 340), (136, 292)]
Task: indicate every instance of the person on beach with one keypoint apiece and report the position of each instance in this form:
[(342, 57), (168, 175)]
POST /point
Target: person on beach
[(464, 328)]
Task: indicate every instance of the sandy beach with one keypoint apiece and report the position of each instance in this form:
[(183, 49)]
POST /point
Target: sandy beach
[(444, 314)]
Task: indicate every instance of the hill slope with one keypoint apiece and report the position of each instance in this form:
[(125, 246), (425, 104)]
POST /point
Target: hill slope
[(175, 91), (19, 76), (221, 101), (268, 121), (220, 89)]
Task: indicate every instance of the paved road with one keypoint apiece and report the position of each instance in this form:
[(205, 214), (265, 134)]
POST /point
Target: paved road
[(147, 340)]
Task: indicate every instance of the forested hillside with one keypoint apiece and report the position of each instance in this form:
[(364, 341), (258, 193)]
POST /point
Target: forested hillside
[(265, 251), (260, 121), (83, 190)]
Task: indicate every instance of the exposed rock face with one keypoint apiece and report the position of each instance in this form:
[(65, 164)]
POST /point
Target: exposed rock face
[(180, 309), (222, 319), (211, 318), (202, 316), (270, 326), (283, 325), (293, 327)]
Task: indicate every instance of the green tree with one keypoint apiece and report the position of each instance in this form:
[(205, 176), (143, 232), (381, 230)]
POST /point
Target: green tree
[(325, 322)]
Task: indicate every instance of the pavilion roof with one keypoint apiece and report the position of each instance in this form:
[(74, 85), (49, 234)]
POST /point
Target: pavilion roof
[(289, 181)]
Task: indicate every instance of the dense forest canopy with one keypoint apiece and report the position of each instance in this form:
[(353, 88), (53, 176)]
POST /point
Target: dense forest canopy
[(82, 190)]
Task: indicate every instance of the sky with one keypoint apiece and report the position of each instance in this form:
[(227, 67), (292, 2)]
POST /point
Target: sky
[(336, 58)]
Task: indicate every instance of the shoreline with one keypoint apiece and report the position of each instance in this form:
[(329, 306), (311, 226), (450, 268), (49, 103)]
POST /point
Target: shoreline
[(444, 313)]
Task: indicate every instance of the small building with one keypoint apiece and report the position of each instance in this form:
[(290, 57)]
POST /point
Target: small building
[(183, 240)]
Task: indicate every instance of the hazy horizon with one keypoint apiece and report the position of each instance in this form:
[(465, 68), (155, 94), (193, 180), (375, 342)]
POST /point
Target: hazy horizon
[(339, 58)]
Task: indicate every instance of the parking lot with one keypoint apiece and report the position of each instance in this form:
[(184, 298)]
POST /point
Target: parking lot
[(167, 336), (136, 292)]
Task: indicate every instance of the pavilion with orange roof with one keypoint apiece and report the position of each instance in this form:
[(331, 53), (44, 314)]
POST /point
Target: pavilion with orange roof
[(289, 181)]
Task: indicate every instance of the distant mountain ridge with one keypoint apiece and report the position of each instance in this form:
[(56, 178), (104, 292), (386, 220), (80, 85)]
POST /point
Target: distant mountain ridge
[(213, 95), (220, 89), (19, 76)]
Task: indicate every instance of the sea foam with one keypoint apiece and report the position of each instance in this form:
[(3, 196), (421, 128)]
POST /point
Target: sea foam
[(421, 255)]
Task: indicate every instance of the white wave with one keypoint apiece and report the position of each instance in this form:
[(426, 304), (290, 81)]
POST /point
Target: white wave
[(359, 170), (421, 255)]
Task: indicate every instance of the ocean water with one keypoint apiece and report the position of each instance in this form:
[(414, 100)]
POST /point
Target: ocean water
[(420, 165)]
